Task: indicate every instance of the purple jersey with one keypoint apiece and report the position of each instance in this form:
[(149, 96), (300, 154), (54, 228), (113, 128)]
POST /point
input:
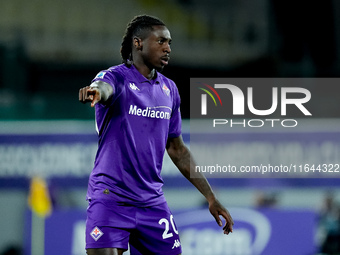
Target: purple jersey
[(133, 128)]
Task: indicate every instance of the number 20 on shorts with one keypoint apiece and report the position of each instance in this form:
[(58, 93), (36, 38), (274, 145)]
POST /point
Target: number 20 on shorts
[(166, 233)]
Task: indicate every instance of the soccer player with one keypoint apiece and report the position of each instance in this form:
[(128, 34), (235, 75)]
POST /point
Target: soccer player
[(137, 119)]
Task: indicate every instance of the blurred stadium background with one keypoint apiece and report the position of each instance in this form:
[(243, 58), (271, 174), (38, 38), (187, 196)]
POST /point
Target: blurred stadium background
[(49, 49)]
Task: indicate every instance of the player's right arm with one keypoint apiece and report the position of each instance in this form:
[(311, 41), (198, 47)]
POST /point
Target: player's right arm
[(98, 91)]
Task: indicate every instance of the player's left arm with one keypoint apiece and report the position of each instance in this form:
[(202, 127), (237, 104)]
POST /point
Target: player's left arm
[(185, 162)]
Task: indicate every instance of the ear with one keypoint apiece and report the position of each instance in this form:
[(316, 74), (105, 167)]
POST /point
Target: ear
[(137, 43)]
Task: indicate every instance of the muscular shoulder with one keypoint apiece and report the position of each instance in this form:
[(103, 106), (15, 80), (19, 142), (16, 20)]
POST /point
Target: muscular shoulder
[(118, 71), (166, 79), (114, 75)]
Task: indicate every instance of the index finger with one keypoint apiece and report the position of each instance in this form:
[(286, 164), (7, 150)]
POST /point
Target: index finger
[(86, 94)]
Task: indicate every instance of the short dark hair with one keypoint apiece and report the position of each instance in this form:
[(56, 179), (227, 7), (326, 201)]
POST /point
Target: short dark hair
[(136, 27)]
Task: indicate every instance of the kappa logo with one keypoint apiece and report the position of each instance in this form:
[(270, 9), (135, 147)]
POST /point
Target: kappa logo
[(133, 86), (166, 89), (96, 233), (176, 244)]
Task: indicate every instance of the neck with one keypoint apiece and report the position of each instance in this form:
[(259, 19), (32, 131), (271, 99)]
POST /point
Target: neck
[(142, 67), (145, 71)]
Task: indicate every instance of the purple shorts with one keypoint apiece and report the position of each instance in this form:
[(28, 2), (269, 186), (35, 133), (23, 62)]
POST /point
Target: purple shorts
[(148, 230)]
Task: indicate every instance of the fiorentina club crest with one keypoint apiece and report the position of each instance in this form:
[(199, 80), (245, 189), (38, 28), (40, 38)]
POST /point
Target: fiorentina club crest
[(96, 233), (166, 89)]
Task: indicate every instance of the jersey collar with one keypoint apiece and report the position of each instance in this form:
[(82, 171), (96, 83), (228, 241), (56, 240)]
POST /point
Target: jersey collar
[(141, 79)]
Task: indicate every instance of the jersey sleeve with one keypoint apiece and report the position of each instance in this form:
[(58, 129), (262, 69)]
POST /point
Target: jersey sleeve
[(112, 78), (175, 128), (106, 76)]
